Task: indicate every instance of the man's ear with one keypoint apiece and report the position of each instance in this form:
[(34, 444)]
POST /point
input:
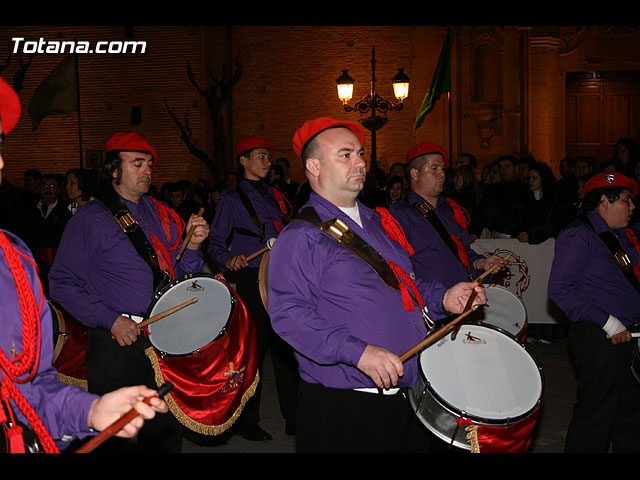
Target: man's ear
[(312, 165)]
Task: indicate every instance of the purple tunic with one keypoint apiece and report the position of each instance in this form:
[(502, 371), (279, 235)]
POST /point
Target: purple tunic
[(232, 222), (329, 304), (97, 274), (586, 281), (64, 409), (433, 259)]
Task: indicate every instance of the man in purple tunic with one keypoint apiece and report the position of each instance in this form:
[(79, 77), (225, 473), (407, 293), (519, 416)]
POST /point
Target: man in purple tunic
[(441, 243), (346, 325), (33, 400), (104, 278), (600, 296), (247, 217)]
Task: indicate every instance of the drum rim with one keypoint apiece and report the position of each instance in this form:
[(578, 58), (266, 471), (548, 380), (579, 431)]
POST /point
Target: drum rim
[(517, 335), (458, 412), (173, 283)]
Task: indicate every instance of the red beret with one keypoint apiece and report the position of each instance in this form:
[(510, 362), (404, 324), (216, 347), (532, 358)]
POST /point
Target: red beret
[(131, 142), (423, 148), (313, 127), (250, 143), (615, 179), (10, 107)]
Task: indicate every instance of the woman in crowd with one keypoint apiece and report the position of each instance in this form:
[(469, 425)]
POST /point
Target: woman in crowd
[(80, 187), (540, 217)]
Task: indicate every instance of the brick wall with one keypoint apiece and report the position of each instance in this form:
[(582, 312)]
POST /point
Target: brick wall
[(288, 77)]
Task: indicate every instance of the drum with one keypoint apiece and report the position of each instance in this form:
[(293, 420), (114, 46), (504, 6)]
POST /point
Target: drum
[(207, 350), (60, 334), (483, 378), (69, 346), (263, 279), (190, 329), (635, 361), (504, 310)]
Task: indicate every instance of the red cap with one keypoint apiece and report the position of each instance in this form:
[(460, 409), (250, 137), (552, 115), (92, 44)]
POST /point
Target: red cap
[(601, 180), (423, 148), (10, 107), (131, 142), (250, 143), (313, 127)]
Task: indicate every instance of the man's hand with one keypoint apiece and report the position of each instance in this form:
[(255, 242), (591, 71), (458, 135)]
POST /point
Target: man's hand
[(382, 366), (125, 331), (488, 262), (110, 407), (237, 262), (621, 337), (200, 233), (455, 299)]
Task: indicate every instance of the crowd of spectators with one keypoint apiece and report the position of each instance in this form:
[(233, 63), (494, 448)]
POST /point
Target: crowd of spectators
[(509, 198)]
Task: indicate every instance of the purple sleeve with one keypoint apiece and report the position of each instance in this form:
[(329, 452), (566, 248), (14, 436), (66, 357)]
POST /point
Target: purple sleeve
[(71, 271), (221, 228), (295, 266), (565, 287)]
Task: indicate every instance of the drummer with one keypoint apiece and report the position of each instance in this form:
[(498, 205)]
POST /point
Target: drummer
[(100, 278), (33, 401), (601, 299), (440, 241), (247, 217), (346, 326)]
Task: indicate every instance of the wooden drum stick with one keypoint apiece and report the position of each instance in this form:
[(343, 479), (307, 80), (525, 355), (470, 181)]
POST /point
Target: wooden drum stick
[(187, 239), (161, 315), (440, 333), (119, 424), (270, 243)]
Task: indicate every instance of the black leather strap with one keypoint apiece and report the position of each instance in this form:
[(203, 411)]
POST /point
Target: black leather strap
[(428, 212), (130, 227), (349, 239)]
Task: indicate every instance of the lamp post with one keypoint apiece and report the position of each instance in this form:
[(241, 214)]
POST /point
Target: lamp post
[(373, 103)]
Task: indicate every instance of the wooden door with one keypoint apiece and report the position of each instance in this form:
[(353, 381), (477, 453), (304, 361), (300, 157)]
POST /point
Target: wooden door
[(601, 108)]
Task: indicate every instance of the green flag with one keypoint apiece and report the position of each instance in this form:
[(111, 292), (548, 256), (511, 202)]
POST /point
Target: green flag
[(441, 82), (58, 92)]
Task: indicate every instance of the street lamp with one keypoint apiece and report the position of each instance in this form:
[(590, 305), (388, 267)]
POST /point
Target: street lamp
[(372, 102)]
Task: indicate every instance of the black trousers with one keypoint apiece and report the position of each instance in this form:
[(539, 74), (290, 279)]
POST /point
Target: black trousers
[(607, 410), (109, 367), (284, 363), (335, 420)]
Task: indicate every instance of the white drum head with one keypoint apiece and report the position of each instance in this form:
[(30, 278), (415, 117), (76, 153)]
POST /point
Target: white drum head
[(483, 373), (503, 310), (196, 325)]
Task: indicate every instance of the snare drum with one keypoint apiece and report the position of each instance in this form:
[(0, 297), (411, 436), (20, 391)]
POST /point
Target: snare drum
[(483, 378), (207, 350), (69, 346), (190, 329), (503, 310), (635, 361), (263, 276)]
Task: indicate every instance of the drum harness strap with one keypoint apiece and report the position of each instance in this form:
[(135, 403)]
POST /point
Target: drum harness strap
[(391, 274), (132, 230), (429, 212), (623, 260), (254, 217)]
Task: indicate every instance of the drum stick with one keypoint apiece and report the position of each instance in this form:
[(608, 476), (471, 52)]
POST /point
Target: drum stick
[(189, 234), (119, 424), (473, 295), (440, 333), (478, 280), (436, 335), (161, 315), (270, 243)]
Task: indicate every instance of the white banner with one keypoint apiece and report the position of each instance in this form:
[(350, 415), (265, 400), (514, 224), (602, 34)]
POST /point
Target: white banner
[(527, 275)]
